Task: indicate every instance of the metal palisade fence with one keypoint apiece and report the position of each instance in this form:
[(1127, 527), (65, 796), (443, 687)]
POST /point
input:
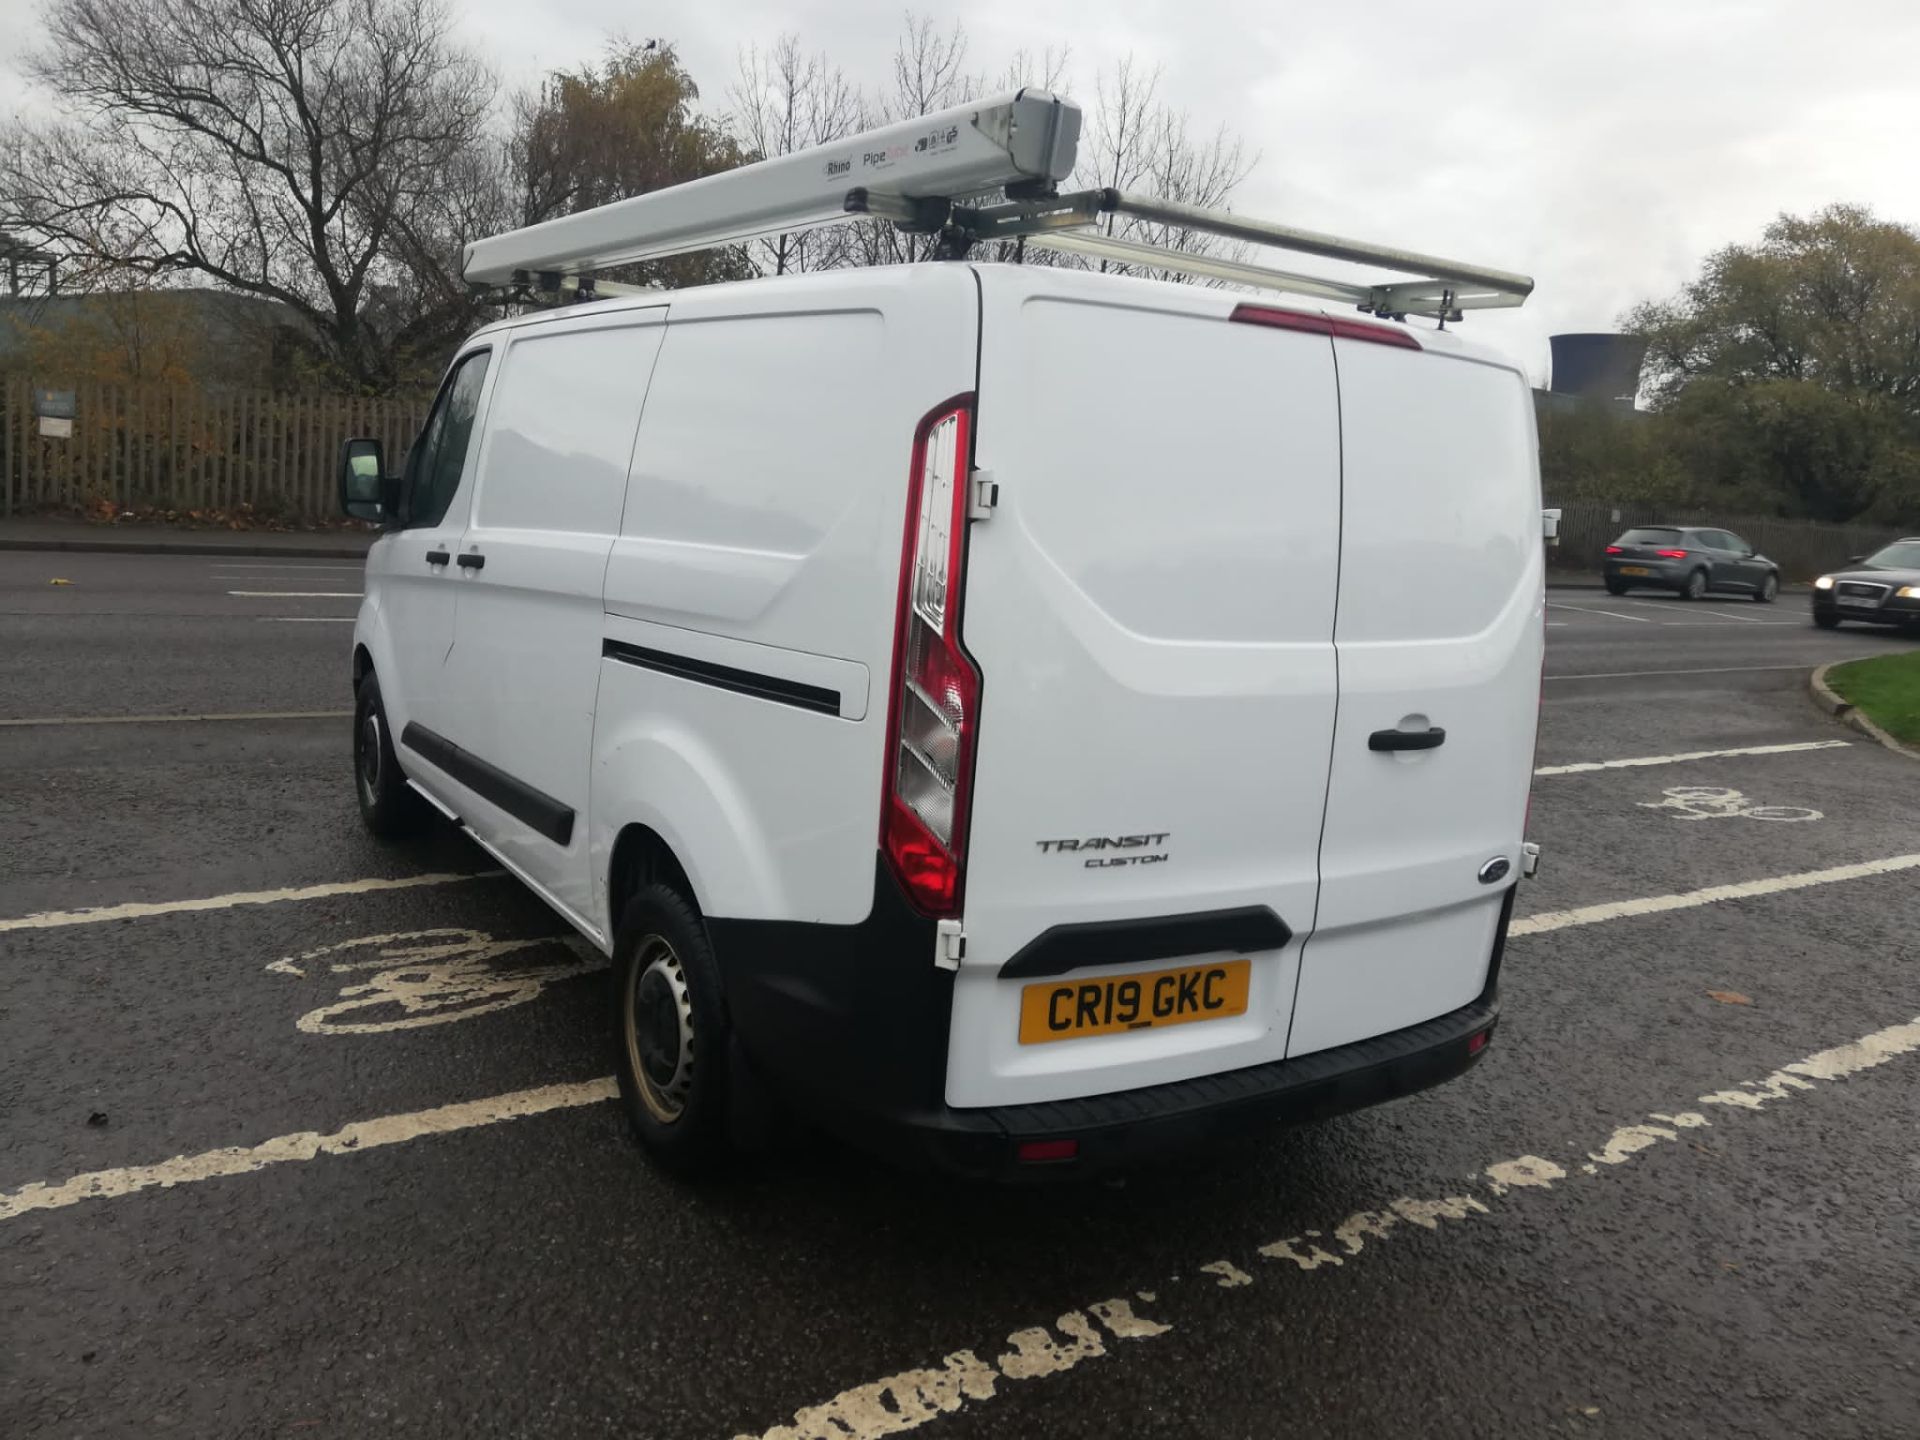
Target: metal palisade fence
[(1801, 548), (184, 448)]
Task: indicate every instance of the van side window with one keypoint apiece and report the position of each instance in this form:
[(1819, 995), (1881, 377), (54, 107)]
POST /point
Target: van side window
[(438, 461)]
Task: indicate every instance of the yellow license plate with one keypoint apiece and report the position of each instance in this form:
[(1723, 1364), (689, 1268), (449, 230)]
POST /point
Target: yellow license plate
[(1635, 570), (1070, 1009)]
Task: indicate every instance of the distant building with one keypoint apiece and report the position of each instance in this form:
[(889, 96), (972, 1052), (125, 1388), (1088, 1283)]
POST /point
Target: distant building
[(1593, 368)]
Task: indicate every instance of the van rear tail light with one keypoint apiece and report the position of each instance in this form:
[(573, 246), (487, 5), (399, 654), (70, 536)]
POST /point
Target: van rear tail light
[(933, 712), (1671, 554), (1277, 318)]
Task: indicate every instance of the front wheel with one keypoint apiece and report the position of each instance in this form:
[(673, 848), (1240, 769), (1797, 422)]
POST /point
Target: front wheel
[(388, 806), (1695, 587), (670, 1031), (1769, 588)]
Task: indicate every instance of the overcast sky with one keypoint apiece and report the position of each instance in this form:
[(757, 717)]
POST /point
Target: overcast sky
[(1603, 148)]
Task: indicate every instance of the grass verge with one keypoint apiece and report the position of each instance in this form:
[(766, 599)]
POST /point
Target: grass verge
[(1886, 690)]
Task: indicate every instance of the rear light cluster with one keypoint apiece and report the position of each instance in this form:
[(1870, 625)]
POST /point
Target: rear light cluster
[(1671, 554), (935, 704), (1339, 329), (1614, 550)]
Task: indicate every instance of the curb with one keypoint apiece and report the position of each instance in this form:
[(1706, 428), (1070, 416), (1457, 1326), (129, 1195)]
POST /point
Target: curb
[(1844, 711), (189, 547)]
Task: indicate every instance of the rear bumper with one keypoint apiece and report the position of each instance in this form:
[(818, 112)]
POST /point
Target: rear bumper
[(1661, 574), (849, 1025)]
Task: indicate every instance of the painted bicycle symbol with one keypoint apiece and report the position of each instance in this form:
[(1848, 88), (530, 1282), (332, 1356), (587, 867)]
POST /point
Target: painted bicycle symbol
[(1710, 802), (432, 977)]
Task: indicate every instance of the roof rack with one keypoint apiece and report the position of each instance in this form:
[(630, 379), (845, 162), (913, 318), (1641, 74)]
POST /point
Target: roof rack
[(1006, 155)]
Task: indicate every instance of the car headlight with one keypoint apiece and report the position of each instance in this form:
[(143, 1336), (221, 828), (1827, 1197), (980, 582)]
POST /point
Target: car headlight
[(1825, 582), (1908, 592)]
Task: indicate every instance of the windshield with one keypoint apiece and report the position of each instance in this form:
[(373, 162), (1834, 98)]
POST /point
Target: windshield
[(1649, 535), (1901, 555)]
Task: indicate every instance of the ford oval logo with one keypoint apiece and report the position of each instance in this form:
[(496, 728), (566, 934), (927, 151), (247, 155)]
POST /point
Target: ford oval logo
[(1495, 869)]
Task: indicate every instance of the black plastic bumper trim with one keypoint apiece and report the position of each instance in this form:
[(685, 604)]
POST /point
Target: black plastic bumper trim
[(1129, 942), (533, 808), (726, 677)]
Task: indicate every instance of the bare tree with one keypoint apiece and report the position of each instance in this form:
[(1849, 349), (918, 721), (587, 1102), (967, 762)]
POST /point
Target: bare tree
[(1137, 142), (293, 149), (785, 100)]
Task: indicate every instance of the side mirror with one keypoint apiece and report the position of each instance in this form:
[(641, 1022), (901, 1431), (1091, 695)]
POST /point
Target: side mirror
[(363, 484)]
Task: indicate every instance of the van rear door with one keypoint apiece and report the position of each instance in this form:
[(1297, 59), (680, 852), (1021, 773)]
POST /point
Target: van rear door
[(1440, 641), (1151, 607)]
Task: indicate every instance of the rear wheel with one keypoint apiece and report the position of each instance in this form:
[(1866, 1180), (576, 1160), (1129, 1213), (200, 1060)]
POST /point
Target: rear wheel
[(388, 806), (1769, 588), (670, 1031), (1695, 587), (1616, 587), (1826, 622)]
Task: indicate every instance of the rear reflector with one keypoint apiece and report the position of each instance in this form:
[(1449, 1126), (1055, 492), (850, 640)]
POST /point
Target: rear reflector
[(1478, 1042), (1046, 1152), (1340, 329)]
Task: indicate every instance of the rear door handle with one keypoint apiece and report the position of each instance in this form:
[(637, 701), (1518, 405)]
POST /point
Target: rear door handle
[(1431, 738), (438, 557), (471, 561)]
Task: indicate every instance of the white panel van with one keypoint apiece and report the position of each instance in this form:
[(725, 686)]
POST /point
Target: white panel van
[(1017, 716)]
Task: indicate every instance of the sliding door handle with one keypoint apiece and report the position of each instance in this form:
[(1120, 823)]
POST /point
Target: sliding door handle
[(438, 557), (471, 561), (1431, 738)]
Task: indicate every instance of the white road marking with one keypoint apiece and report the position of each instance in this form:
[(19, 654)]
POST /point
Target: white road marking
[(1718, 802), (304, 1145), (1711, 895), (1586, 610), (912, 1398), (52, 919), (1635, 762), (267, 565), (297, 594), (1637, 674), (179, 719), (308, 619), (451, 976)]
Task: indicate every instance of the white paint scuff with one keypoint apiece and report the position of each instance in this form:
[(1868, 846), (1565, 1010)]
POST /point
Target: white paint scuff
[(138, 910), (1634, 762), (1710, 895), (304, 1145)]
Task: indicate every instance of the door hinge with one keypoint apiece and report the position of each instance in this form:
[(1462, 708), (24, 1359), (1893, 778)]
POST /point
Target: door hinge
[(986, 495), (1529, 860), (949, 945)]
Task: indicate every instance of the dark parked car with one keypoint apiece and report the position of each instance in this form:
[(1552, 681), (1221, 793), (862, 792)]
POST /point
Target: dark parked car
[(1689, 560), (1882, 589)]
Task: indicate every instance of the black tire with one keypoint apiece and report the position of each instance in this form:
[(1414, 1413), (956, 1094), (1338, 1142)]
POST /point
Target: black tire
[(388, 807), (1769, 588), (1695, 586), (1616, 587), (1826, 622), (671, 1038)]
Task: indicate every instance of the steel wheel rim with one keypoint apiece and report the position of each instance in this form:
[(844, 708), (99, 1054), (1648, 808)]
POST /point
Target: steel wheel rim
[(368, 735), (1696, 585), (656, 1022), (1770, 587)]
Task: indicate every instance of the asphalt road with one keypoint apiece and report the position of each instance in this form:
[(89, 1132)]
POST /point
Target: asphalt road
[(409, 1211)]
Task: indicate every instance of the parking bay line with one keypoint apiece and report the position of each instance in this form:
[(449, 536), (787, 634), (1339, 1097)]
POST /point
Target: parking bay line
[(464, 1115), (297, 594), (1636, 762), (1584, 610), (912, 1398), (180, 719), (139, 910), (1639, 674)]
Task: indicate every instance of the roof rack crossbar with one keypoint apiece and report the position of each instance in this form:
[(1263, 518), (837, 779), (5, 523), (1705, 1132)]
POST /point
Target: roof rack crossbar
[(989, 170)]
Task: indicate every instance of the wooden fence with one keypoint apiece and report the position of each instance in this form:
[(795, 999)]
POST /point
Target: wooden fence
[(189, 449)]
